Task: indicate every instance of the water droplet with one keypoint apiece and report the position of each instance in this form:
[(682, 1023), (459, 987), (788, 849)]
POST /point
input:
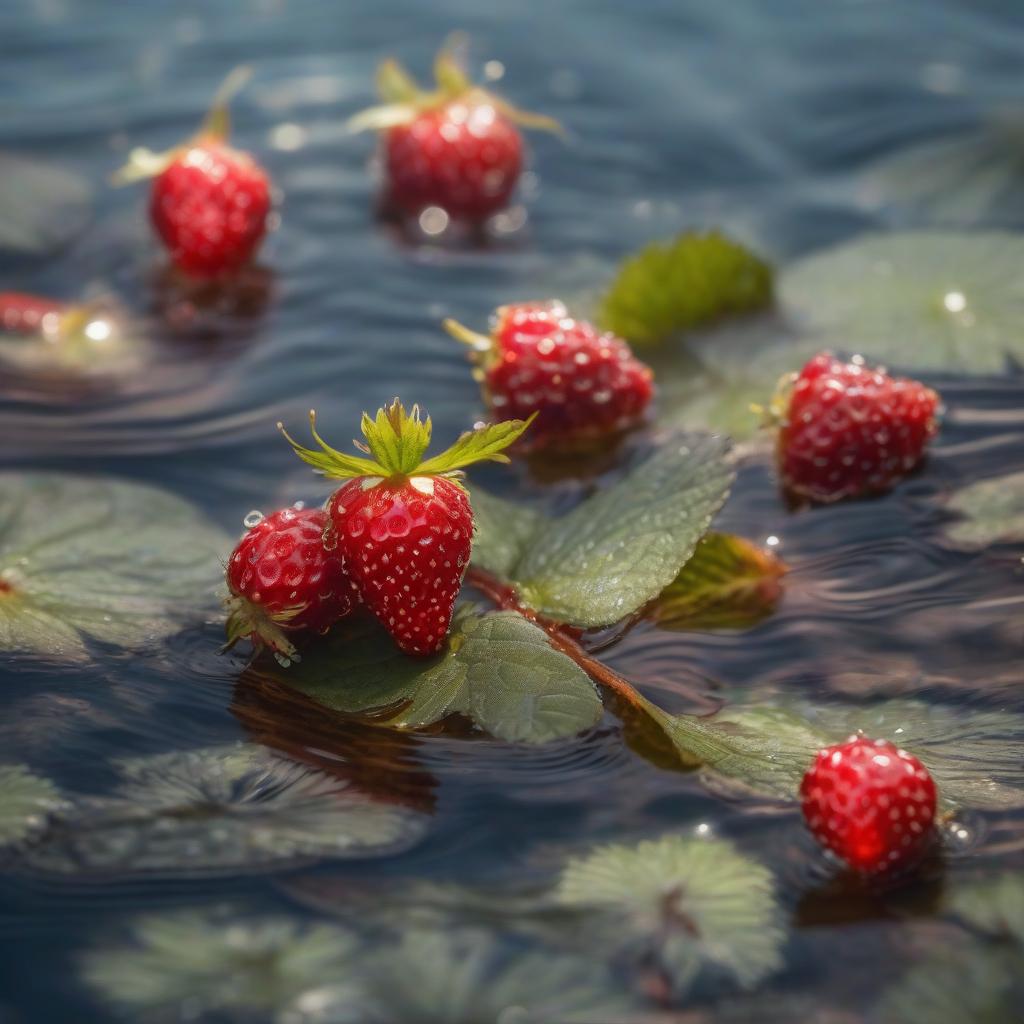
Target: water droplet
[(254, 518)]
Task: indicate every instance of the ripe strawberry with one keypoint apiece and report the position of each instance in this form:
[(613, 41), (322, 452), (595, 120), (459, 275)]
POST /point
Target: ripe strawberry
[(21, 313), (870, 803), (404, 525), (583, 385), (283, 579), (848, 430), (456, 147), (209, 203)]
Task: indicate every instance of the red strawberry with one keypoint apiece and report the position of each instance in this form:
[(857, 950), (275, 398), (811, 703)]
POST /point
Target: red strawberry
[(583, 385), (405, 525), (870, 803), (282, 579), (456, 147), (209, 203), (848, 430), (21, 313)]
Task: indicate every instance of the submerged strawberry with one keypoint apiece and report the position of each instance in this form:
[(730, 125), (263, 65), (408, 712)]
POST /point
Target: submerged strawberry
[(209, 203), (456, 147), (404, 524), (582, 384), (283, 579), (870, 803), (848, 430)]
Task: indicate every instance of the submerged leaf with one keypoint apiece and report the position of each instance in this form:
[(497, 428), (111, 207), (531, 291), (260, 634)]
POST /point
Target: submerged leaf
[(992, 512), (682, 284), (616, 551), (497, 669), (994, 906), (220, 809), (26, 801), (729, 583), (686, 904), (190, 963), (85, 558), (42, 206), (467, 976), (922, 300)]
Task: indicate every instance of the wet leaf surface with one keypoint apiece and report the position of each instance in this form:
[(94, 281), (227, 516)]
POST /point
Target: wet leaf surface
[(26, 802)]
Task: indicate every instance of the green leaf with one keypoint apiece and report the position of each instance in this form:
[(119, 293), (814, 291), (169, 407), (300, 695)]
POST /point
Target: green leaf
[(504, 530), (468, 976), (964, 983), (688, 904), (994, 906), (191, 963), (974, 755), (498, 670), (729, 583), (95, 559), (42, 206), (227, 809), (616, 551), (26, 802), (991, 512), (683, 284), (925, 300)]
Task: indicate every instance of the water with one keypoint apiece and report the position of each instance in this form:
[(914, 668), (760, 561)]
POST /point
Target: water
[(764, 120)]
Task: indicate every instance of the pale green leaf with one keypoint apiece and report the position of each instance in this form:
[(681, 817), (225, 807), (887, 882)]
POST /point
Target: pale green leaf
[(93, 558), (686, 283), (192, 963), (227, 809), (498, 670), (616, 551), (994, 906), (26, 803), (729, 583), (990, 511), (925, 300), (467, 976), (42, 206), (688, 904), (974, 755)]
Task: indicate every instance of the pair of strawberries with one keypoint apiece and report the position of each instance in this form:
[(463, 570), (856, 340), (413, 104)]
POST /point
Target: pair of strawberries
[(455, 147)]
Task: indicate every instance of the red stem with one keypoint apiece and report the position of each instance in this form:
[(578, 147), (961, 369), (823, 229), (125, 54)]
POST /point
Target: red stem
[(22, 313)]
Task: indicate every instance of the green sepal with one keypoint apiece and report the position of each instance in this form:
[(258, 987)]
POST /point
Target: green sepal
[(395, 84), (397, 441)]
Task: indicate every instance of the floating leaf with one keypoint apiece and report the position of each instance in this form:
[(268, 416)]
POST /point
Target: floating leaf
[(922, 300), (466, 976), (497, 669), (26, 801), (190, 963), (86, 558), (964, 984), (616, 551), (994, 906), (729, 583), (42, 206), (688, 904), (974, 755), (504, 531), (220, 809), (992, 511), (682, 284)]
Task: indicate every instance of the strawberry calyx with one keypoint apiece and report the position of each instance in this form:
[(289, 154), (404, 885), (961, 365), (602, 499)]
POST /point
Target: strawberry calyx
[(247, 619), (396, 442), (143, 163), (775, 413), (403, 99)]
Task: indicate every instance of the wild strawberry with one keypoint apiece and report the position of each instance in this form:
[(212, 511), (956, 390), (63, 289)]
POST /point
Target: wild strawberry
[(209, 203), (583, 385), (870, 803), (456, 147), (21, 313), (283, 579), (848, 430), (404, 525)]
